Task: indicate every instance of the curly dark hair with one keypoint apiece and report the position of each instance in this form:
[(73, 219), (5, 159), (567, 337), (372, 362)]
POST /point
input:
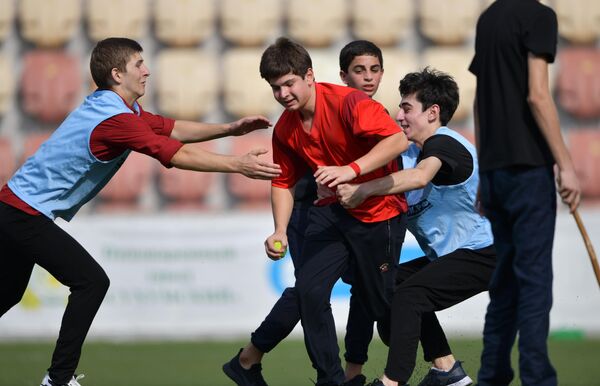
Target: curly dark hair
[(432, 87)]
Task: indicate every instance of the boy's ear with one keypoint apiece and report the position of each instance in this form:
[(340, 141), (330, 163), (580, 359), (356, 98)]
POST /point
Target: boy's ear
[(116, 75), (344, 77), (309, 76), (434, 112)]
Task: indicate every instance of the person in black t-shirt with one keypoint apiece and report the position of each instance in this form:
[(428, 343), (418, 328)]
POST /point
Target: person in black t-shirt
[(519, 138), (440, 178)]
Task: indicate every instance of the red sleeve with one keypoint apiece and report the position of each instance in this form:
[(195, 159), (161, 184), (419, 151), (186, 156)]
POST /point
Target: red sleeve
[(292, 166), (147, 134), (368, 117)]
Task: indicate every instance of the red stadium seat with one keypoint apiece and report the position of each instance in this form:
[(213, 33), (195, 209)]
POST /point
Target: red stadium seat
[(185, 189), (7, 160), (249, 193), (51, 84), (584, 146), (127, 185), (578, 84)]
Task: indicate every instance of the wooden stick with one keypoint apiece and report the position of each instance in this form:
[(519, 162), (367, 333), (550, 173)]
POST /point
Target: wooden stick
[(588, 245)]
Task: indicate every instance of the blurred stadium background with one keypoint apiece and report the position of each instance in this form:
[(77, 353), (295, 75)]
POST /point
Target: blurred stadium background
[(183, 249)]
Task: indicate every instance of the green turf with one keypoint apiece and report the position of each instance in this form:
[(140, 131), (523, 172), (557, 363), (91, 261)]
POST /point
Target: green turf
[(199, 363)]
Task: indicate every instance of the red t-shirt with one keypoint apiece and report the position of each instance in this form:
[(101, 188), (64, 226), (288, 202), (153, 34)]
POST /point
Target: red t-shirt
[(147, 133), (346, 126)]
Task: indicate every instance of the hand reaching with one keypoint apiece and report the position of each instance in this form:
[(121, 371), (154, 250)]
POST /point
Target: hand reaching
[(253, 167), (248, 124)]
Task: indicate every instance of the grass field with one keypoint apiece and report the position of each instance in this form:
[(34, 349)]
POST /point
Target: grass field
[(199, 363)]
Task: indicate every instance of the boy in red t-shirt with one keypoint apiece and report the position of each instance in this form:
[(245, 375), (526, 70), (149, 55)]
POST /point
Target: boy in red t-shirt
[(341, 135)]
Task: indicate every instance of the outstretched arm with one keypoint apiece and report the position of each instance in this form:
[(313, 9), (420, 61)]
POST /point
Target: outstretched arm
[(383, 152), (193, 158), (544, 112), (352, 195), (188, 131)]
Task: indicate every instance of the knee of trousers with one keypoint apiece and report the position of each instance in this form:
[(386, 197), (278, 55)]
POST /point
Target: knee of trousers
[(312, 296), (408, 298), (98, 283)]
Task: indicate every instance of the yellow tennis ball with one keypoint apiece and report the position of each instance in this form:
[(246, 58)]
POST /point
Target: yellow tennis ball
[(278, 245)]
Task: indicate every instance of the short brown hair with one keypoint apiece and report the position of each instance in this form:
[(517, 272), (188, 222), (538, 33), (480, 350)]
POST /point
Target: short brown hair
[(108, 54), (283, 57)]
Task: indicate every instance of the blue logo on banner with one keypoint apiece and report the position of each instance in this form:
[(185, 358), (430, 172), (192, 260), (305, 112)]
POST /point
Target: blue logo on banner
[(282, 272)]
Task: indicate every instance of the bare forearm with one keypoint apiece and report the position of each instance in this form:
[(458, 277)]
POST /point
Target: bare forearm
[(546, 116), (282, 203), (204, 161), (383, 152), (544, 110), (188, 131)]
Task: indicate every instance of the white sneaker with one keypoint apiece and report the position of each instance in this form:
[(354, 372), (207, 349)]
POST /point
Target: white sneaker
[(73, 382)]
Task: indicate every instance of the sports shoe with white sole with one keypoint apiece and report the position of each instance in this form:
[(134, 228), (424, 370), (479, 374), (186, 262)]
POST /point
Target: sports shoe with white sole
[(73, 382), (456, 376)]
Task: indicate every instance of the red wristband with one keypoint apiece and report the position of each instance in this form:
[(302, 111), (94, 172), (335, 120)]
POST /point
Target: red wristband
[(355, 167)]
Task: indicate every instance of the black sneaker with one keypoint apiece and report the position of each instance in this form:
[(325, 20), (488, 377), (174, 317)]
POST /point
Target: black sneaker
[(456, 376), (359, 380), (242, 377), (377, 382)]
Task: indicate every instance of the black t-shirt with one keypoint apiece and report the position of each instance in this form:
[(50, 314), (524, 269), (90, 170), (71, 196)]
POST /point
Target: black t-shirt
[(506, 32), (457, 162)]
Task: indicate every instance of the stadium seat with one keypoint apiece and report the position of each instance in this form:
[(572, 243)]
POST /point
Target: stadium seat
[(584, 146), (384, 22), (6, 84), (124, 190), (7, 14), (396, 64), (455, 62), (107, 18), (250, 22), (244, 91), (49, 23), (448, 22), (50, 85), (183, 22), (317, 23), (185, 189), (578, 84), (326, 65), (578, 21), (187, 84), (7, 160), (249, 193)]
